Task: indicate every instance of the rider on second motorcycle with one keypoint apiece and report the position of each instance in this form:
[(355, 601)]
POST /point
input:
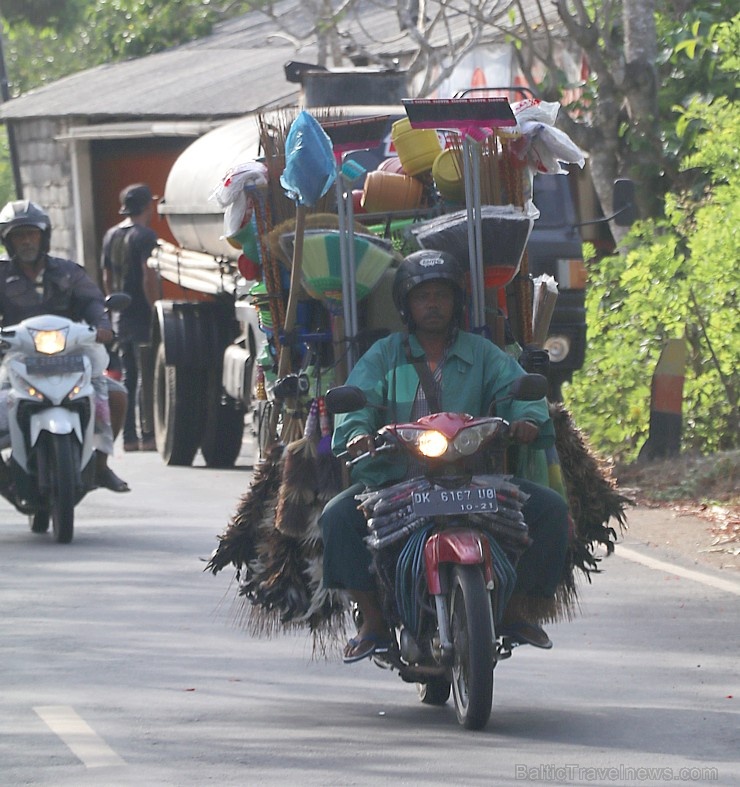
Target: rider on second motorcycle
[(469, 373), (32, 282)]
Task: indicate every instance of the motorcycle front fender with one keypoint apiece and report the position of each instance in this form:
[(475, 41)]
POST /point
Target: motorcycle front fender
[(55, 420), (464, 547)]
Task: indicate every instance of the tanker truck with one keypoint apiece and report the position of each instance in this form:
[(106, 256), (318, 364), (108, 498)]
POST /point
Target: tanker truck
[(203, 359), (205, 333)]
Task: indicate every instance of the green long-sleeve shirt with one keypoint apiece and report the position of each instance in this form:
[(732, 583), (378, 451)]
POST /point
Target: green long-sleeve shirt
[(476, 373)]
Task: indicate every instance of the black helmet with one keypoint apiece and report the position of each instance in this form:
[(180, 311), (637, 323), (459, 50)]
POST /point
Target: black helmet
[(24, 213), (427, 265)]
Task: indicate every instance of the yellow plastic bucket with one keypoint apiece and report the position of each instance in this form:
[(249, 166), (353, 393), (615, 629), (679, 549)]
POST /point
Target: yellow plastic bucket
[(447, 173), (417, 148)]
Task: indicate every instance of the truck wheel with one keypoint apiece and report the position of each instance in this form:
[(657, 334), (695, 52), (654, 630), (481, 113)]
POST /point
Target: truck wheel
[(178, 411), (222, 436)]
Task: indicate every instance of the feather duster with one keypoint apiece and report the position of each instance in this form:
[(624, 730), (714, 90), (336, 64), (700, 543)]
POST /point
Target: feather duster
[(594, 501), (299, 483), (239, 542)]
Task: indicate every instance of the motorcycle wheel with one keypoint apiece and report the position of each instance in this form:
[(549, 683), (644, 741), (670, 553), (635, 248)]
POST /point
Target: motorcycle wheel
[(64, 458), (436, 691), (472, 638), (39, 521)]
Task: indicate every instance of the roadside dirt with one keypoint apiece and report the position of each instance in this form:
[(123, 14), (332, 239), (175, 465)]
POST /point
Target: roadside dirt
[(689, 507)]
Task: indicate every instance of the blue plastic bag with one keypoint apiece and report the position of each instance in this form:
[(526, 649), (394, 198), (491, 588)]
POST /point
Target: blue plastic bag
[(310, 168)]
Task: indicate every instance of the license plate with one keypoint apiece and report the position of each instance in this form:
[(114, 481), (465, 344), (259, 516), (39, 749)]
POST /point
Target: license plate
[(55, 364), (448, 502)]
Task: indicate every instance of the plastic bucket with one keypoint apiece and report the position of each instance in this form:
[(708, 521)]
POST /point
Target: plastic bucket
[(447, 172), (386, 191), (417, 148), (392, 164)]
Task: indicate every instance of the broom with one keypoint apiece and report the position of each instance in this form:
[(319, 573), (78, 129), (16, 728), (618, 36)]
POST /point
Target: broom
[(322, 267)]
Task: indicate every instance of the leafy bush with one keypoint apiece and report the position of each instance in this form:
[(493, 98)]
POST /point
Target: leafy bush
[(678, 278)]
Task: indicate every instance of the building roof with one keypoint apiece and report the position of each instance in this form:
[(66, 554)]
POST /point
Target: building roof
[(235, 70)]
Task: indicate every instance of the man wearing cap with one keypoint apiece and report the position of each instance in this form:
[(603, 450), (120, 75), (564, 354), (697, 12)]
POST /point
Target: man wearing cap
[(126, 249)]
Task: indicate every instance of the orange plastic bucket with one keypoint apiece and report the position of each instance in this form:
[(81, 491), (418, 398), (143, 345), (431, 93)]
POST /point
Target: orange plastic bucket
[(386, 191)]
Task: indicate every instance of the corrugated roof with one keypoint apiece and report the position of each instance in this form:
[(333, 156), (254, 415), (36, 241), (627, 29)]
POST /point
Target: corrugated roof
[(236, 70)]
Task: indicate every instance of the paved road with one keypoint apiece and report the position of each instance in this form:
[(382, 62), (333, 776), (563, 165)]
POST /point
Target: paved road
[(121, 666)]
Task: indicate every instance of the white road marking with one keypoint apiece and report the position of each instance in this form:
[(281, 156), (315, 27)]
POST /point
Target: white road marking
[(85, 744), (728, 585)]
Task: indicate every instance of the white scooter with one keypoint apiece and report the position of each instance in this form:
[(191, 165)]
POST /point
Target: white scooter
[(47, 379)]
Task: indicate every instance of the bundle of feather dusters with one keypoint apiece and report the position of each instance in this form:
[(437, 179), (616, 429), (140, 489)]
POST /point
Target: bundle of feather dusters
[(273, 539), (594, 502)]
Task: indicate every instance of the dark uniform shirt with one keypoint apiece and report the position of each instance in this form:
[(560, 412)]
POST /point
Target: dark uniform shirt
[(65, 290)]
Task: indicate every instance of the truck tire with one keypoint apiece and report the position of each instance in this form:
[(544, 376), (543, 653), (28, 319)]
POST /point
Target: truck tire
[(222, 435), (179, 397)]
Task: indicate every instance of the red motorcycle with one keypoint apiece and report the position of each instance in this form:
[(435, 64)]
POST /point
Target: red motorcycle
[(445, 546)]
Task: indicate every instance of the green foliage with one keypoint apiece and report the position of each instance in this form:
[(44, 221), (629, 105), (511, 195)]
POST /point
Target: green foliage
[(679, 278), (132, 28), (48, 39), (58, 14)]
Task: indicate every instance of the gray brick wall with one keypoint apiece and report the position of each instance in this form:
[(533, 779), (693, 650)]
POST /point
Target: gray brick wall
[(47, 178)]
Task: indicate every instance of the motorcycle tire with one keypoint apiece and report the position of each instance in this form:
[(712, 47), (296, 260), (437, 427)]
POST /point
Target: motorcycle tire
[(64, 458), (39, 521), (436, 691), (471, 629)]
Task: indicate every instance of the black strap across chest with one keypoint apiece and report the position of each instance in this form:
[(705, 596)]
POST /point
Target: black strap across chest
[(425, 378)]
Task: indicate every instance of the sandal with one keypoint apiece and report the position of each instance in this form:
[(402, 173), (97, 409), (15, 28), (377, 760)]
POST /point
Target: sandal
[(526, 633), (107, 479), (368, 645)]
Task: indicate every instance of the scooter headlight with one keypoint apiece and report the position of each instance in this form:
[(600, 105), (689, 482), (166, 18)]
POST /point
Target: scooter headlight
[(49, 342)]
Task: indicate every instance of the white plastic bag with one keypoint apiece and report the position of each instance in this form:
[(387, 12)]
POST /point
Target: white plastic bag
[(239, 177), (546, 146), (533, 109)]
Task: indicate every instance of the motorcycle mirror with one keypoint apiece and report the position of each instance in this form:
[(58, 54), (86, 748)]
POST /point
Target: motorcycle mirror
[(345, 399), (529, 388), (117, 301), (623, 200)]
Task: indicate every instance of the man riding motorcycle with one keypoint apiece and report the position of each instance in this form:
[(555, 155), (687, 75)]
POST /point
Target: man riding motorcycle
[(32, 282), (459, 372)]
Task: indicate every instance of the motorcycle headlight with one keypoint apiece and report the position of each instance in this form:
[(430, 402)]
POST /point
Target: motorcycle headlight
[(431, 443), (49, 342), (469, 440)]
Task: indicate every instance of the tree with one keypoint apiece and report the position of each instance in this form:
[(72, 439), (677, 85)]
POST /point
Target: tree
[(48, 39), (678, 278)]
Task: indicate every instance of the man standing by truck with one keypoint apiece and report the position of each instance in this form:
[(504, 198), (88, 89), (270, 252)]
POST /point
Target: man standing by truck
[(126, 249)]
